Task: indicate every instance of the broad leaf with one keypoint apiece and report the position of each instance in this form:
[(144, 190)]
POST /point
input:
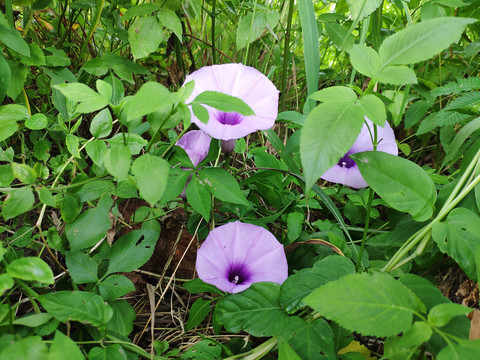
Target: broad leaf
[(17, 202), (81, 267), (122, 319), (12, 39), (422, 41), (329, 132), (170, 20), (91, 226), (396, 75), (151, 97), (362, 8), (144, 35), (355, 303), (198, 311), (223, 102), (459, 237), (365, 60), (441, 314), (77, 306), (115, 286), (151, 175), (131, 251), (101, 125), (374, 109), (62, 345), (117, 161), (310, 340), (198, 196), (89, 100), (30, 269), (303, 282), (401, 183), (222, 185), (465, 350), (255, 310)]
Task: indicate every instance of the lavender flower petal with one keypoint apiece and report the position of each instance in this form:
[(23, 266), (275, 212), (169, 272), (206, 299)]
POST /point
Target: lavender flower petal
[(243, 82), (236, 255), (196, 144), (346, 172)]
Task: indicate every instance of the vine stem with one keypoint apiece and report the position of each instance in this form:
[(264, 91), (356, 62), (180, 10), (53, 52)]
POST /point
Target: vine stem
[(285, 55), (422, 236), (258, 352)]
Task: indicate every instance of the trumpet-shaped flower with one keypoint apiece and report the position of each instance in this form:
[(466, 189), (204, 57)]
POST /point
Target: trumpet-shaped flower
[(236, 255), (241, 81), (196, 144), (346, 171)]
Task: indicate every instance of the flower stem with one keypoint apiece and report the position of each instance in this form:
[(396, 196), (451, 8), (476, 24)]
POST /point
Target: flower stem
[(259, 352), (365, 229)]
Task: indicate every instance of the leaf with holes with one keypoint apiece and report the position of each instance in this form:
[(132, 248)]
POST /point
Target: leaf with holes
[(131, 251), (459, 237)]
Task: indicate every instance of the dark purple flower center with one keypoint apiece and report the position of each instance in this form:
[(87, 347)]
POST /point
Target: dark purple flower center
[(346, 162), (229, 118), (238, 275)]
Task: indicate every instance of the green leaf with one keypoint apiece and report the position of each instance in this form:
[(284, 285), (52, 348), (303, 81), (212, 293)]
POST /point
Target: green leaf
[(294, 225), (197, 313), (62, 345), (176, 183), (27, 348), (200, 112), (459, 237), (340, 95), (151, 97), (5, 75), (96, 149), (58, 57), (112, 352), (95, 189), (104, 89), (170, 20), (30, 269), (17, 81), (355, 303), (117, 161), (455, 146), (360, 9), (255, 310), (223, 102), (91, 226), (17, 202), (73, 143), (464, 350), (124, 67), (340, 36), (70, 208), (401, 183), (115, 286), (222, 185), (6, 283), (151, 175), (139, 10), (285, 352), (198, 196), (396, 75), (250, 28), (310, 340), (122, 319), (374, 109), (24, 173), (36, 58), (89, 100), (329, 132), (441, 314), (196, 286), (131, 251), (101, 125), (12, 39), (81, 267), (144, 35), (77, 306), (421, 41), (297, 286), (37, 122), (311, 55), (365, 60), (33, 320), (419, 333)]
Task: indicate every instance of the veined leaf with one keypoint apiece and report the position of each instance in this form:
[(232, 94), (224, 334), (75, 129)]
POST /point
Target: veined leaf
[(355, 303), (421, 41), (360, 9), (401, 183)]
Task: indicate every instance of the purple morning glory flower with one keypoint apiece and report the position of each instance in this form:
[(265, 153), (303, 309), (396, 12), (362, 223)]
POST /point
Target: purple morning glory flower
[(346, 171), (236, 255), (243, 82), (196, 144)]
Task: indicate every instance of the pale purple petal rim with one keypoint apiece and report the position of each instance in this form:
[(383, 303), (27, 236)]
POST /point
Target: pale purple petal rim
[(241, 81), (352, 176), (248, 249)]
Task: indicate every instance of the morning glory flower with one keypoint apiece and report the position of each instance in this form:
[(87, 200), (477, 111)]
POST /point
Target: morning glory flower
[(346, 171), (196, 144), (241, 81), (236, 255)]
